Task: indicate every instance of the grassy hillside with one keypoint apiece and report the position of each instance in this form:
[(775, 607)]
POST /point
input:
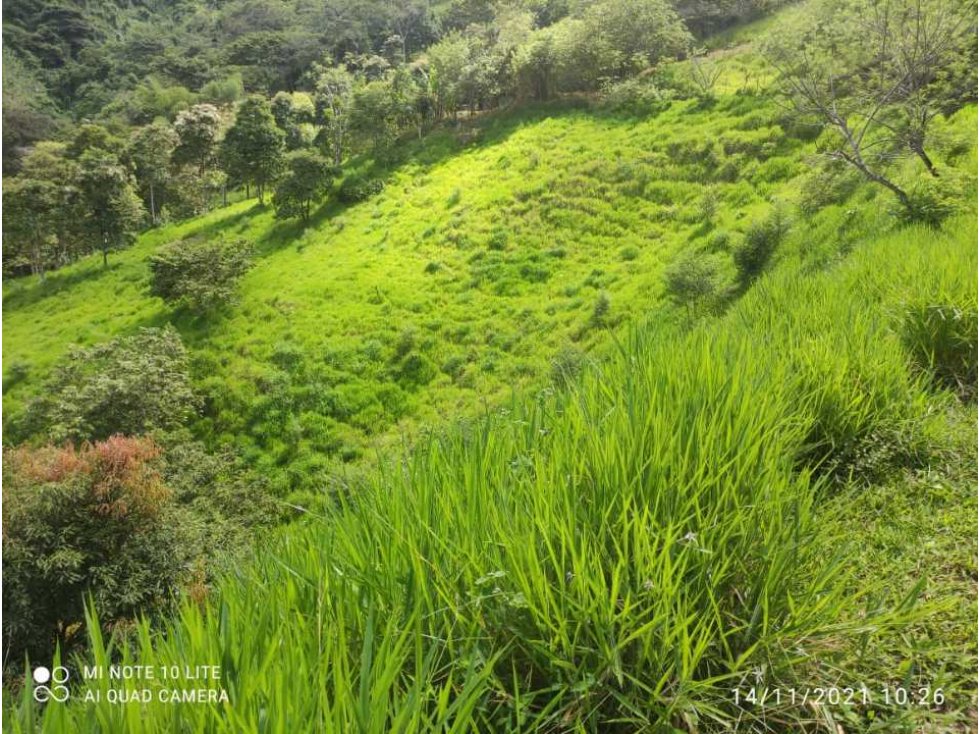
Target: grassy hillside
[(494, 249), (617, 513), (629, 550)]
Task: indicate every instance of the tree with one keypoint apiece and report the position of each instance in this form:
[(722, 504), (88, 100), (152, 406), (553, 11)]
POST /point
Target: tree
[(866, 71), (130, 385), (334, 95), (307, 180), (113, 212), (197, 130), (295, 113), (199, 275), (151, 148), (30, 211), (252, 151), (374, 112)]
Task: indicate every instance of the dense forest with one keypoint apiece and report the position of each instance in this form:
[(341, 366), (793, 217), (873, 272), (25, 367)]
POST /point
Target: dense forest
[(545, 365)]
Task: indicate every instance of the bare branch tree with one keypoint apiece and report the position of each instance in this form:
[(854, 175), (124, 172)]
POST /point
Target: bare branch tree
[(866, 69)]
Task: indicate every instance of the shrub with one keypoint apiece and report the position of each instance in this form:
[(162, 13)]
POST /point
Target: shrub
[(567, 366), (124, 520), (629, 253), (719, 241), (941, 339), (931, 202), (695, 280), (416, 369), (603, 304), (359, 188), (201, 276), (638, 96), (96, 519), (130, 385), (707, 205), (760, 242), (307, 180), (829, 184)]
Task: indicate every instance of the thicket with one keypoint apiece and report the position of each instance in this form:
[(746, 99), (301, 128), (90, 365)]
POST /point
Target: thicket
[(131, 385), (201, 275)]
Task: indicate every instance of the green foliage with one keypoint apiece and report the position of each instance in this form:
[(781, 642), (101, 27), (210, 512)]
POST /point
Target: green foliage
[(932, 201), (307, 179), (199, 275), (829, 184), (357, 188), (652, 523), (252, 150), (697, 280), (129, 385), (113, 212), (197, 129), (122, 521), (96, 520), (941, 339), (761, 241)]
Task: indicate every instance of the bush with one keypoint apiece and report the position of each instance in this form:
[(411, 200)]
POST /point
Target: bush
[(97, 519), (123, 520), (638, 96), (567, 366), (695, 280), (760, 242), (930, 202), (830, 184), (201, 276), (130, 385), (941, 339), (359, 188)]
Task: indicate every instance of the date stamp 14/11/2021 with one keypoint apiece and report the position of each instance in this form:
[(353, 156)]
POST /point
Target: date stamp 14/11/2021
[(858, 695)]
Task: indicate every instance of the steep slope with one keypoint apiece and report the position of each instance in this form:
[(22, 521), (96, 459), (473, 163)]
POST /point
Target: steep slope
[(494, 249), (657, 546)]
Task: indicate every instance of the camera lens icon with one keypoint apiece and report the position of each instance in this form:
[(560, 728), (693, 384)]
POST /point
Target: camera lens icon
[(57, 677)]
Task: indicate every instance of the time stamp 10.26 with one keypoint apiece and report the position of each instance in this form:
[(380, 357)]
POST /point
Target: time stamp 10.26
[(859, 695)]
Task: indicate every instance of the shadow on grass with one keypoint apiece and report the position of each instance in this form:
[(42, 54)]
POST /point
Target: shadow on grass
[(29, 290)]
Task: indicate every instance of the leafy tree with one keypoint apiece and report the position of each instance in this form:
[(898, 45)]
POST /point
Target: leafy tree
[(127, 520), (30, 211), (197, 130), (334, 96), (130, 385), (199, 275), (113, 212), (151, 148), (252, 151), (374, 113), (633, 34), (29, 114), (696, 281), (294, 113), (307, 180)]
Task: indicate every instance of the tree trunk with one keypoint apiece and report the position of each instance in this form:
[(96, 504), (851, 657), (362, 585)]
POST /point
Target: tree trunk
[(153, 205), (919, 150)]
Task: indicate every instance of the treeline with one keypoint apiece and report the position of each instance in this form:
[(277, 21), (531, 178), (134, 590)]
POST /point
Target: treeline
[(65, 62), (162, 152)]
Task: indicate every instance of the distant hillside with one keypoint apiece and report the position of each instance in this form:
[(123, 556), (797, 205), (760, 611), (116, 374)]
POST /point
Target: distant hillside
[(500, 252)]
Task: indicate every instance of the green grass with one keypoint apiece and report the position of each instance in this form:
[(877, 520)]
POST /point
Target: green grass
[(488, 253), (619, 554), (779, 493)]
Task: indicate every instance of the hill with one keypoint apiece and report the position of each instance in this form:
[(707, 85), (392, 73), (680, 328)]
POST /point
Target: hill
[(498, 249), (673, 393)]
